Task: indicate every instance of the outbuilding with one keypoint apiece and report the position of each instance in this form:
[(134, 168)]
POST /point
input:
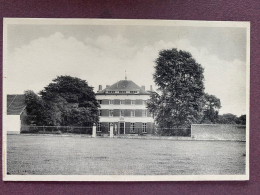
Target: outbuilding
[(15, 112)]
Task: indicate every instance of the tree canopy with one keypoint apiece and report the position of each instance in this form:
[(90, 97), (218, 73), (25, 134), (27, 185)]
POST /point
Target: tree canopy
[(241, 120), (210, 109), (232, 119), (66, 101), (179, 78), (34, 108)]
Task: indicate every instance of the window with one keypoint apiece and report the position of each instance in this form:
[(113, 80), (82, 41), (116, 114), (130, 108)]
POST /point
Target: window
[(122, 101), (132, 128), (111, 101), (144, 113), (144, 128), (111, 91), (98, 127), (99, 112), (122, 91), (133, 91), (122, 113), (132, 113), (110, 112), (100, 101), (132, 101)]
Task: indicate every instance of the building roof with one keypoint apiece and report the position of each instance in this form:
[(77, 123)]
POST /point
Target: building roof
[(126, 86), (15, 104)]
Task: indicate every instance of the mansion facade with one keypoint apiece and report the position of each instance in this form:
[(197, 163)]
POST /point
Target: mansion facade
[(123, 107)]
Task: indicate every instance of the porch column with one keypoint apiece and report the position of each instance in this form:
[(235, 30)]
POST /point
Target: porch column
[(111, 130), (94, 130), (116, 132)]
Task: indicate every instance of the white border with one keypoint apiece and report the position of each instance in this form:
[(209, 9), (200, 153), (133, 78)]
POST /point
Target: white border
[(126, 178), (45, 21)]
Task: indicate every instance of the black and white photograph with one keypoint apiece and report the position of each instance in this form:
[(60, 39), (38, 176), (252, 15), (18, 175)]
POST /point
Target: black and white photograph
[(125, 100)]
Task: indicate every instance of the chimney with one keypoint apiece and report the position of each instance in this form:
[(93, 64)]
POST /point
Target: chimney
[(143, 87), (99, 87), (151, 88), (107, 86)]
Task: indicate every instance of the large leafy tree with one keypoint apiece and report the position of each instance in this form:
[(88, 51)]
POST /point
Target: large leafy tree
[(179, 101), (210, 109), (34, 108), (67, 101)]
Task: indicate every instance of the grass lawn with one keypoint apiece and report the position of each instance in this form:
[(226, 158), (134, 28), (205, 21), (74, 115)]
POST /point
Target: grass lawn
[(79, 155)]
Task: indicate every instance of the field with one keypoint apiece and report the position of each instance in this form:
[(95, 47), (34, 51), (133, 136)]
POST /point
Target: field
[(79, 155)]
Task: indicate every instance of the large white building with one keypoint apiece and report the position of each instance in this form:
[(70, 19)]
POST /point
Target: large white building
[(123, 106)]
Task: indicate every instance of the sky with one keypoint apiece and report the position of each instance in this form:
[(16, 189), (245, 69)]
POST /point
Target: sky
[(100, 54)]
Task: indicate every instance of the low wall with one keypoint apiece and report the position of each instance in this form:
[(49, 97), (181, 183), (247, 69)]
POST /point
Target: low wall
[(218, 132), (55, 129)]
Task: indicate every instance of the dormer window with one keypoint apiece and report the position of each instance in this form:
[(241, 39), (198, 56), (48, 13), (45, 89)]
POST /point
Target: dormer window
[(122, 91), (111, 91), (133, 92)]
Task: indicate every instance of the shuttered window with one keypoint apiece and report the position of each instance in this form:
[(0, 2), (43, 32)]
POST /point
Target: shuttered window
[(144, 129), (98, 127), (132, 128)]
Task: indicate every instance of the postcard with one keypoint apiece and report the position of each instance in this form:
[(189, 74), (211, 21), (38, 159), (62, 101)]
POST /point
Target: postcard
[(125, 100)]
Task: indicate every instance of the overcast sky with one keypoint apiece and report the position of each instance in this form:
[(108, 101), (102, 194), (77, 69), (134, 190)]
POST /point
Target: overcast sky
[(36, 54)]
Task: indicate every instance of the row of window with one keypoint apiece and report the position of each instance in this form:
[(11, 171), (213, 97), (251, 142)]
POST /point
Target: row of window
[(133, 92), (122, 113), (132, 127), (124, 101)]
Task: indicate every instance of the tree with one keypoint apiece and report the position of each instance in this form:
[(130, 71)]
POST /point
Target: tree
[(66, 101), (210, 109), (73, 100), (232, 119), (227, 119), (179, 100), (241, 120), (34, 108)]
